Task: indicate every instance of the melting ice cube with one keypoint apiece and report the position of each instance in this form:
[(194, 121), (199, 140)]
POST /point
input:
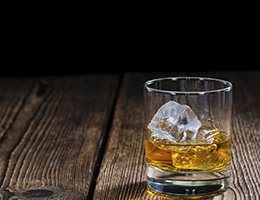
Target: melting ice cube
[(175, 123)]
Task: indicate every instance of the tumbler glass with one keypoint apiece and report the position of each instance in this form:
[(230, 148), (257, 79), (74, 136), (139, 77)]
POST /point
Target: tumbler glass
[(187, 128)]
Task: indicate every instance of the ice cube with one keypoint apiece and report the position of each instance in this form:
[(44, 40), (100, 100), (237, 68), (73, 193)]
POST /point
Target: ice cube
[(175, 123), (208, 135), (198, 157)]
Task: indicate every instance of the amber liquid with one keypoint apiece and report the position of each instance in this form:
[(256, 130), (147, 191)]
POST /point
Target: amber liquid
[(201, 156)]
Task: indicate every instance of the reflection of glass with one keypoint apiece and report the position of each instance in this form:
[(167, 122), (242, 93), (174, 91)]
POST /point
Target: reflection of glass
[(187, 131)]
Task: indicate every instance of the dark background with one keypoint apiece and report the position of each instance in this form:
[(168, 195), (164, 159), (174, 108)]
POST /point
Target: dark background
[(60, 62), (75, 44), (47, 57), (72, 54)]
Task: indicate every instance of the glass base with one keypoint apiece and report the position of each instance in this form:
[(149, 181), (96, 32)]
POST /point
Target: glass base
[(187, 184)]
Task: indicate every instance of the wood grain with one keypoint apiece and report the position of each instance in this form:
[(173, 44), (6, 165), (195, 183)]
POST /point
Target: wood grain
[(123, 167), (122, 173), (52, 134)]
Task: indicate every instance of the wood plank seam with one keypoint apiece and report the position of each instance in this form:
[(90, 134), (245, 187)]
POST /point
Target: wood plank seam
[(106, 130), (52, 134)]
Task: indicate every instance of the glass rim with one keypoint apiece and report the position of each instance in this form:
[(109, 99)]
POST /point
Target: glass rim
[(174, 92)]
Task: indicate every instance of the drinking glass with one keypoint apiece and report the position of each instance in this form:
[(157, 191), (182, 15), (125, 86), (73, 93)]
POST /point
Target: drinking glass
[(187, 128)]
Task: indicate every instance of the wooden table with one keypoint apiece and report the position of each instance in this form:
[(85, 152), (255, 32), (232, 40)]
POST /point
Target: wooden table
[(81, 137)]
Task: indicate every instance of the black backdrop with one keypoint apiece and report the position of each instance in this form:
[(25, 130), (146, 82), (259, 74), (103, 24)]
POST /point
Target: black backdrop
[(75, 54)]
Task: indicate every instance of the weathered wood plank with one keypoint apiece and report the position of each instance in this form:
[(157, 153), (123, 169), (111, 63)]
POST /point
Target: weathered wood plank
[(122, 173), (123, 167), (52, 132)]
